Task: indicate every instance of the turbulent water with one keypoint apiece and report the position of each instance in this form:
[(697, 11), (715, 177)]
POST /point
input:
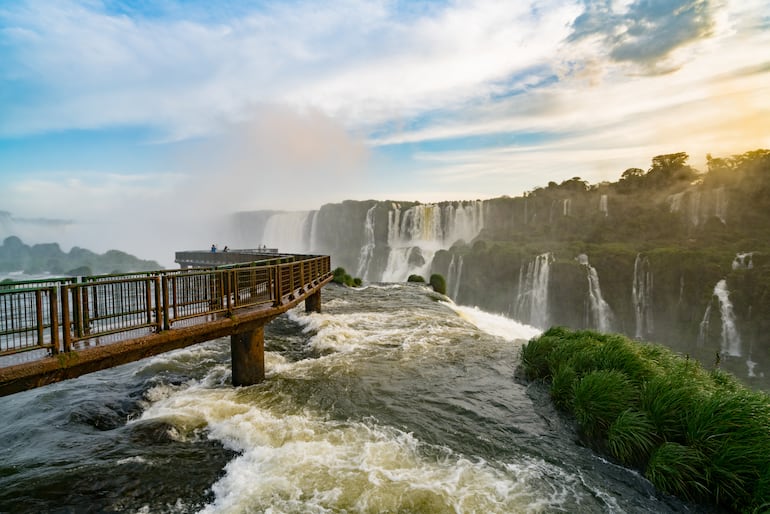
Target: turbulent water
[(391, 400)]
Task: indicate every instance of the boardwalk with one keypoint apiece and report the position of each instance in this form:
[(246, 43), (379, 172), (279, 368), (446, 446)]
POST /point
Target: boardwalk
[(63, 328)]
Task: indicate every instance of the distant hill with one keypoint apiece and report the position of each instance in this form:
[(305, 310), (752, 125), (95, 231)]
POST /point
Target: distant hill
[(49, 258)]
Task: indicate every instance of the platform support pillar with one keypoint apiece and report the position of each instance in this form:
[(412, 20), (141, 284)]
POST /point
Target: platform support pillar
[(248, 356), (313, 302)]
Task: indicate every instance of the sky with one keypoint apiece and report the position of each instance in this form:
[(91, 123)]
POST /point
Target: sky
[(135, 124)]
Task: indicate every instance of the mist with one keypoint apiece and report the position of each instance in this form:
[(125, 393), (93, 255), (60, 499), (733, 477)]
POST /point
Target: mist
[(276, 158)]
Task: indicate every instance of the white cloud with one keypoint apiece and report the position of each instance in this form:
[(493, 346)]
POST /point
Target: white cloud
[(291, 98)]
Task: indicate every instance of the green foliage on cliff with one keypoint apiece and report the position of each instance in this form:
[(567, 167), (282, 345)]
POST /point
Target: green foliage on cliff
[(342, 277), (415, 278), (438, 283), (49, 258), (696, 434)]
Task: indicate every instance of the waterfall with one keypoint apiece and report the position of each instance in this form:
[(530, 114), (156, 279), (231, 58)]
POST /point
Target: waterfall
[(731, 340), (287, 231), (603, 205), (532, 299), (368, 248), (641, 291), (720, 204), (600, 312), (743, 261), (566, 207), (313, 245), (455, 274), (675, 202), (417, 233), (703, 329), (698, 206), (695, 217)]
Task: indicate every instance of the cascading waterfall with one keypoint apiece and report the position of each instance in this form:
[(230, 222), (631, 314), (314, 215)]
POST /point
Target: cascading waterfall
[(731, 339), (603, 205), (287, 231), (743, 261), (641, 291), (694, 211), (698, 205), (455, 275), (720, 204), (703, 329), (417, 233), (599, 310), (368, 248), (314, 247), (566, 207), (532, 298)]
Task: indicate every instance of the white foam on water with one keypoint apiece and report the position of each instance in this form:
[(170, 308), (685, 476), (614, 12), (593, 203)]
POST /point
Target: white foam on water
[(495, 324), (294, 460)]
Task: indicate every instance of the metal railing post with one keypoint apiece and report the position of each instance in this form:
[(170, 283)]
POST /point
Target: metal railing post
[(54, 314), (83, 321), (166, 319), (275, 289), (39, 314), (66, 319)]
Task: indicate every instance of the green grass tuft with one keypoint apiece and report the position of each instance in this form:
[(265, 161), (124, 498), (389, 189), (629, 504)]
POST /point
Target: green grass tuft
[(678, 470), (534, 357), (599, 398), (562, 387), (631, 438)]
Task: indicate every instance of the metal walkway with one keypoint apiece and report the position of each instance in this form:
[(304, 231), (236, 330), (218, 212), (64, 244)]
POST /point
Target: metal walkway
[(62, 328)]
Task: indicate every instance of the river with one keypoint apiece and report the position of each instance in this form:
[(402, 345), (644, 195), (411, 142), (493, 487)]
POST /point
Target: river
[(392, 399)]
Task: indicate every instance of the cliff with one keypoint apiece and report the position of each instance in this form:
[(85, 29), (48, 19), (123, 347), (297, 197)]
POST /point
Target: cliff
[(666, 254)]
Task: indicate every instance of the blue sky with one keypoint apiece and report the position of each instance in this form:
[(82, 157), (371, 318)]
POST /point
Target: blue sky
[(122, 113)]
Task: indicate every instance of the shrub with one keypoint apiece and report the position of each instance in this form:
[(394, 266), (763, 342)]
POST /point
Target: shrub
[(534, 357), (341, 277), (562, 387), (600, 397), (631, 438), (679, 470), (415, 278), (438, 283)]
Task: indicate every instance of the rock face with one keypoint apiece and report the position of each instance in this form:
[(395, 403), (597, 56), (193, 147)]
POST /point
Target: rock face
[(665, 255)]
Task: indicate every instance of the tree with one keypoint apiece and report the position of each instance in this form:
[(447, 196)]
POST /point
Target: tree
[(670, 168)]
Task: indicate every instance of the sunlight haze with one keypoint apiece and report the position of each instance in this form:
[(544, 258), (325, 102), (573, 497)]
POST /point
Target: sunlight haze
[(142, 125)]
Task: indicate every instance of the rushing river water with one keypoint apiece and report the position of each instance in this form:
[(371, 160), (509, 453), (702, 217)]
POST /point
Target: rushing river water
[(391, 400)]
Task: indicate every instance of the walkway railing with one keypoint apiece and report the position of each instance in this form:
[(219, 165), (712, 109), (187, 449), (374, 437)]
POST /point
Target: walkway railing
[(62, 315)]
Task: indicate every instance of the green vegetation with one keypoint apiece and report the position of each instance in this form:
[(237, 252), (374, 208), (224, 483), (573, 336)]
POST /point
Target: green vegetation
[(694, 433), (342, 277), (48, 258), (438, 283)]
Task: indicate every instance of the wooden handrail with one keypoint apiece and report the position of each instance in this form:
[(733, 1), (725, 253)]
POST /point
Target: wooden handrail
[(95, 307)]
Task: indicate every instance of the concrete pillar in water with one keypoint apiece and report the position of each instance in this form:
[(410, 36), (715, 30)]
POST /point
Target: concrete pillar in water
[(313, 302), (248, 356)]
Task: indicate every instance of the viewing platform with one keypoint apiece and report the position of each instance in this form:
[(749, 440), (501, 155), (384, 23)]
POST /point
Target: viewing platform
[(52, 330), (207, 258)]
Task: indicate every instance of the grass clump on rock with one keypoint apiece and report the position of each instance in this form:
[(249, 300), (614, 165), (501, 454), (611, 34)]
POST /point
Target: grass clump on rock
[(696, 434)]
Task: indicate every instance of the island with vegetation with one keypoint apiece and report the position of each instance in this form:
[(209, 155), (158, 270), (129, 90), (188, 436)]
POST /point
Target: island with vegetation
[(48, 258)]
